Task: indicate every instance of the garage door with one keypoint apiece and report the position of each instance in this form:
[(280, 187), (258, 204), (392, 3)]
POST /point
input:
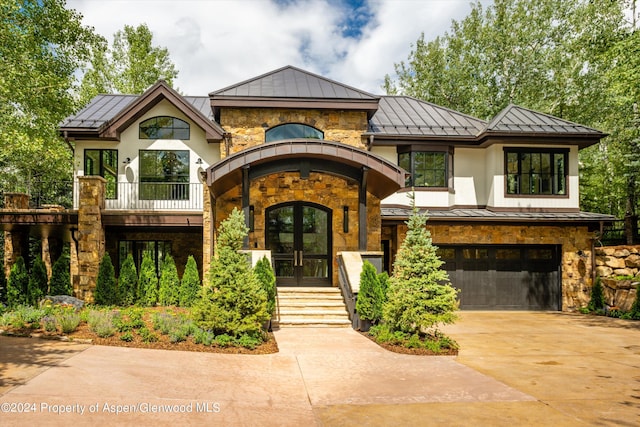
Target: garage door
[(505, 277)]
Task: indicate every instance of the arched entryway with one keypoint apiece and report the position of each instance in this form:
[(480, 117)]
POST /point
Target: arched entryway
[(298, 234)]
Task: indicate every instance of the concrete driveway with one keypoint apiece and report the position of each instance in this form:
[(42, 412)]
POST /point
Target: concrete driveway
[(515, 368)]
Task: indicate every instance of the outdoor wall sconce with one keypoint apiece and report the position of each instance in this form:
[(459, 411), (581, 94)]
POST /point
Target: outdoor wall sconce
[(345, 219), (251, 218), (199, 161), (127, 160)]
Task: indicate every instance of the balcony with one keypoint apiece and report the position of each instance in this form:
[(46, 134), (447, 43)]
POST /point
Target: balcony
[(153, 196), (156, 196)]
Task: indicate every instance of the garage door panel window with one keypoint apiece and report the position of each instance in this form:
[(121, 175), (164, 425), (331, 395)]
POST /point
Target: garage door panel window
[(536, 172)]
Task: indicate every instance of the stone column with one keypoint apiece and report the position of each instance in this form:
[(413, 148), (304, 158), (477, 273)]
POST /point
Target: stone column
[(51, 251), (90, 235), (207, 230), (16, 242)]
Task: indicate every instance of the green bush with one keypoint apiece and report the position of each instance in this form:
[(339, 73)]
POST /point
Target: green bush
[(169, 282), (128, 283), (148, 282), (200, 336), (127, 336), (68, 320), (370, 298), (38, 282), (597, 297), (264, 272), (147, 336), (102, 322), (634, 313), (420, 296), (60, 281), (17, 285), (3, 283), (233, 302), (106, 292), (49, 323), (190, 285)]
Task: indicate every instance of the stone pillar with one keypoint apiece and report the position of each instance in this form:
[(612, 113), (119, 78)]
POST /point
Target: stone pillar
[(51, 251), (208, 222), (16, 242), (90, 235)]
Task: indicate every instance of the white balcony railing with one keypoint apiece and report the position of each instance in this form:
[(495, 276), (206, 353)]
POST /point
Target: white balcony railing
[(153, 196)]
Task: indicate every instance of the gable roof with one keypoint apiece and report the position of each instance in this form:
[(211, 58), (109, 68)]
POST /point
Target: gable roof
[(107, 116), (291, 87), (404, 116)]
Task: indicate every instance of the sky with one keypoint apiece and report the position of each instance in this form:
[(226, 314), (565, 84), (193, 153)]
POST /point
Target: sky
[(217, 43)]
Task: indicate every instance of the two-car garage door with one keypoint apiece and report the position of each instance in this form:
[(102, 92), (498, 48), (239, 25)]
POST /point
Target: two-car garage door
[(509, 277)]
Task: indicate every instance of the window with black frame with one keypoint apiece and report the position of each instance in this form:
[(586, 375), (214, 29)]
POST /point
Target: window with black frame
[(164, 175), (103, 163), (292, 131), (536, 172), (164, 127), (426, 168)]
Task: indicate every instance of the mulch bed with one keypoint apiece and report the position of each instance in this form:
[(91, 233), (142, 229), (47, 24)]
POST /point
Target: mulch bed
[(413, 351)]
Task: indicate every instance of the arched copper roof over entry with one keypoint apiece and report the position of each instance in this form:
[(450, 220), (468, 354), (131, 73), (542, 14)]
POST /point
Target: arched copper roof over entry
[(383, 177)]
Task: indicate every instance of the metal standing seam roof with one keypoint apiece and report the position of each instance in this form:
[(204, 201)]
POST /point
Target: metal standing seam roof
[(407, 116), (292, 82), (103, 108), (485, 214), (516, 119)]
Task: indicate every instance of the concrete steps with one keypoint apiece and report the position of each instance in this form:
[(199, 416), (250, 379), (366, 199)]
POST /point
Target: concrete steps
[(310, 307)]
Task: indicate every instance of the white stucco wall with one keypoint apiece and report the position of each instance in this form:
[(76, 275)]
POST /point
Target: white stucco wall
[(130, 145)]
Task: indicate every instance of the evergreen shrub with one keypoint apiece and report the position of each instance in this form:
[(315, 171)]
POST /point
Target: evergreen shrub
[(106, 292), (128, 283), (190, 284), (60, 281), (169, 283)]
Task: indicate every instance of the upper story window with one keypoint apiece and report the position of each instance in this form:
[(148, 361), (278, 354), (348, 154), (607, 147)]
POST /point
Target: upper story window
[(164, 127), (426, 168), (292, 131), (103, 163), (536, 171), (164, 175)]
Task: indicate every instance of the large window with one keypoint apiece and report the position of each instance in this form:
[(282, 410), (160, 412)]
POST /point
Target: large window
[(103, 163), (164, 175), (156, 249), (534, 172), (164, 127), (426, 168), (292, 131)]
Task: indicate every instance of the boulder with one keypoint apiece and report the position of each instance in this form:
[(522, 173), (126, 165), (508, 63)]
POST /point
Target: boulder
[(63, 300), (632, 261)]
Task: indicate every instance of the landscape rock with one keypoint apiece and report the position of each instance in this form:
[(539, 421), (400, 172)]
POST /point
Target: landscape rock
[(63, 300)]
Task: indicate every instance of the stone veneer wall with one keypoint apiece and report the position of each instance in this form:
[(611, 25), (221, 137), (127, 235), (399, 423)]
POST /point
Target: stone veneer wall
[(613, 262), (16, 243), (247, 125), (324, 189), (576, 249), (90, 236)]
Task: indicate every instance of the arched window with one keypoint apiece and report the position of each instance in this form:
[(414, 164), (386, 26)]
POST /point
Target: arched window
[(164, 127), (292, 131)]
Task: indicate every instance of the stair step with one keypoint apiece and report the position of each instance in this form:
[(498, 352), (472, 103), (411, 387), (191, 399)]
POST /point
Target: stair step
[(311, 307)]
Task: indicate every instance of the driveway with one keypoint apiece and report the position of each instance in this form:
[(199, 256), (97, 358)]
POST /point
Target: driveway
[(515, 368)]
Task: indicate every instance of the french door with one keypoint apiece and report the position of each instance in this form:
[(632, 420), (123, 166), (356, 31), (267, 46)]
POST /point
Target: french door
[(299, 237)]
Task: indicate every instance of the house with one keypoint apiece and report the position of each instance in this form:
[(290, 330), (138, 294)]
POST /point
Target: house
[(319, 167)]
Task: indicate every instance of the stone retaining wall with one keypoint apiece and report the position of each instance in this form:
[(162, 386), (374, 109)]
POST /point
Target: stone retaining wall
[(613, 263)]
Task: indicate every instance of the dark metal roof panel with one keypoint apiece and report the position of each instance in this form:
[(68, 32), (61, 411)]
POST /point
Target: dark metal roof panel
[(103, 108), (292, 82), (406, 116), (485, 214), (516, 119)]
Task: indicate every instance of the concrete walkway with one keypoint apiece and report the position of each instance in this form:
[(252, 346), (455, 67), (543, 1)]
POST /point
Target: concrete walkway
[(514, 369)]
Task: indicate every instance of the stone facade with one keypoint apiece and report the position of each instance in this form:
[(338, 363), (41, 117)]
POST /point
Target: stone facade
[(247, 126), (576, 245), (327, 190), (619, 269), (91, 236)]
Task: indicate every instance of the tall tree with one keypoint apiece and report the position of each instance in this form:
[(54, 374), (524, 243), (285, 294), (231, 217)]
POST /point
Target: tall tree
[(42, 44), (554, 56), (130, 65)]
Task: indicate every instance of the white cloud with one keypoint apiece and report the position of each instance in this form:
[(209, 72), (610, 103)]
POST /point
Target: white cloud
[(216, 43)]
